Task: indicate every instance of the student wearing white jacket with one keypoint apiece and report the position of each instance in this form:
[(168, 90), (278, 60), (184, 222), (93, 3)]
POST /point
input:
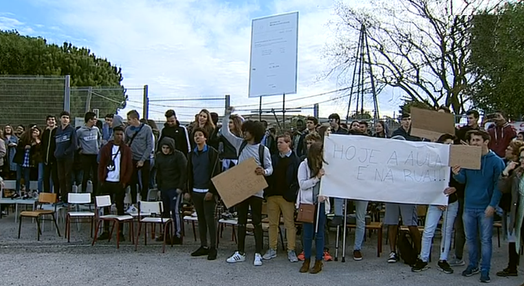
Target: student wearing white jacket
[(309, 174)]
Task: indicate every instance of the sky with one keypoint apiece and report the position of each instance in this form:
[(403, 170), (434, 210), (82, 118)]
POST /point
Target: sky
[(190, 48)]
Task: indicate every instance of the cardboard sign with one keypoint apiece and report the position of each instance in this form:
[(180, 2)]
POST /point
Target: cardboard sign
[(465, 156), (431, 124), (239, 183)]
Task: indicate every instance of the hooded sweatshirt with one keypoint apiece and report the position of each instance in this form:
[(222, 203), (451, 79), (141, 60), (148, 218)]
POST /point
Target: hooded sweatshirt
[(89, 140), (179, 134), (482, 185), (501, 136), (171, 168), (65, 143), (142, 141), (117, 121)]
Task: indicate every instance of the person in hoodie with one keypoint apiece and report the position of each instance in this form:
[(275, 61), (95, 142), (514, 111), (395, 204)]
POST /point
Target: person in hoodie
[(115, 171), (501, 134), (171, 178), (107, 129), (203, 165), (139, 137), (434, 213), (177, 132), (48, 149), (482, 195), (65, 153), (89, 143)]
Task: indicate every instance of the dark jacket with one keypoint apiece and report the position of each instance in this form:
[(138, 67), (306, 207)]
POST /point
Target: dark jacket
[(126, 162), (228, 150), (341, 130), (459, 193), (65, 143), (461, 132), (35, 154), (177, 133), (49, 146), (214, 169), (292, 186), (510, 185), (171, 168), (401, 132)]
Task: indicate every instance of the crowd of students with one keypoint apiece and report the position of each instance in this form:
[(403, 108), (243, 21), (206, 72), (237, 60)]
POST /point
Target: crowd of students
[(180, 161)]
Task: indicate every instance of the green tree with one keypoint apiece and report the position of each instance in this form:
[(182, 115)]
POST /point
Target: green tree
[(497, 45), (41, 91)]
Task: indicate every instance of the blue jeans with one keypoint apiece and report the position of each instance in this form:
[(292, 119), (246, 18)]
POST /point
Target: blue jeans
[(475, 221), (40, 177), (361, 208), (171, 202), (26, 173), (432, 219), (309, 231)]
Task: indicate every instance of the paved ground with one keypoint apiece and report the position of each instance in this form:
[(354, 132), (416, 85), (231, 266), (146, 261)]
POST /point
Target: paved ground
[(53, 261)]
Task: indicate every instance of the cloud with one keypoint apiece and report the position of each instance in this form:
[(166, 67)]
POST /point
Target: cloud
[(189, 48)]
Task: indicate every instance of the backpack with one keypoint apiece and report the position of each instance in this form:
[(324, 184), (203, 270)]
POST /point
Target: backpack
[(407, 252), (260, 155)]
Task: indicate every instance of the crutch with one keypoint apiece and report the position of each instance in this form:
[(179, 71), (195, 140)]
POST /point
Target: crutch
[(336, 242), (345, 231)]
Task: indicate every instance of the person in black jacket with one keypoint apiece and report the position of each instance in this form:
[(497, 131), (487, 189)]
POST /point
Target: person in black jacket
[(171, 178), (48, 149), (281, 197), (177, 132), (204, 165)]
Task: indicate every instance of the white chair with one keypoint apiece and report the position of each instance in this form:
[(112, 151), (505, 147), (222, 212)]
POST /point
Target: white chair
[(105, 201), (154, 211), (75, 200)]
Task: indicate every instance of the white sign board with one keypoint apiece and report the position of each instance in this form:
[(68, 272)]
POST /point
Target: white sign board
[(274, 55), (385, 170)]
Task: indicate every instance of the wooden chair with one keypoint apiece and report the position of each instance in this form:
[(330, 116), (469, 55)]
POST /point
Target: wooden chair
[(39, 212), (105, 201), (154, 212), (77, 199)]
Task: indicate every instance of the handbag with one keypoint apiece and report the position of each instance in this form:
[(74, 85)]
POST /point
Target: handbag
[(306, 212)]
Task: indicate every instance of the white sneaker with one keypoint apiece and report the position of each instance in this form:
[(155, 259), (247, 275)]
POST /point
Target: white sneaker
[(270, 253), (258, 260), (132, 209), (236, 257)]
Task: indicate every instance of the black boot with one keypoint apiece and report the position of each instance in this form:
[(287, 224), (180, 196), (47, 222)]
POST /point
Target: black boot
[(511, 270)]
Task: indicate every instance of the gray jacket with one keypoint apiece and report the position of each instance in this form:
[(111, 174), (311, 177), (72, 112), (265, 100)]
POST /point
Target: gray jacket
[(89, 140), (142, 144)]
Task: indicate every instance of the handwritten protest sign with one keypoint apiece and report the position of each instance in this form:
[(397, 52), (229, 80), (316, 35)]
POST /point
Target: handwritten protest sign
[(465, 156), (239, 183), (375, 169), (431, 124)]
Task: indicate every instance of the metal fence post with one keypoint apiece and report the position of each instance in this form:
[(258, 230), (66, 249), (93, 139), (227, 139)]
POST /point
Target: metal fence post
[(88, 99), (316, 111), (227, 101), (67, 93), (146, 103)]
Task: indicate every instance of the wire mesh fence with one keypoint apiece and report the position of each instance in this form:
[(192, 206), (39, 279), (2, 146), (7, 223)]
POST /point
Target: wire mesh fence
[(26, 100), (186, 107), (102, 100)]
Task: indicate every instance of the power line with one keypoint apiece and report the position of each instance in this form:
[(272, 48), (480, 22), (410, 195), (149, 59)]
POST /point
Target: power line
[(299, 98)]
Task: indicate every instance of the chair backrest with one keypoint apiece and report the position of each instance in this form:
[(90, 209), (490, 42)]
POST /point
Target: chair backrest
[(103, 201), (47, 198), (79, 198), (151, 207)]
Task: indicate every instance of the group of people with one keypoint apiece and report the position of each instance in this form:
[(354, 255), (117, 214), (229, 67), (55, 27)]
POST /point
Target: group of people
[(180, 161)]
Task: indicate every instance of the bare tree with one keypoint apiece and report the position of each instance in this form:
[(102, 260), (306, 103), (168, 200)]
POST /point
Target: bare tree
[(419, 46)]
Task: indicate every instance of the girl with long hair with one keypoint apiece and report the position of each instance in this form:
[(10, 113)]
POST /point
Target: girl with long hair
[(204, 121), (11, 141), (26, 152), (381, 130), (310, 172)]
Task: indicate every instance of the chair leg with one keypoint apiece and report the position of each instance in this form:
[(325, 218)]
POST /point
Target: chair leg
[(145, 234), (194, 230), (165, 237), (19, 226), (38, 228), (92, 222), (68, 228), (132, 228), (172, 232), (111, 232), (117, 235), (281, 238), (97, 226), (136, 242), (56, 224)]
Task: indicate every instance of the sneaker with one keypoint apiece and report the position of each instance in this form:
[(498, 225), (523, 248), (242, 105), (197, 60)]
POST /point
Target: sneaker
[(292, 256), (258, 260), (103, 236), (419, 266), (236, 257), (301, 256), (484, 277), (357, 256), (393, 258), (443, 266), (327, 256), (507, 272), (270, 253), (132, 209), (456, 262), (212, 255), (201, 251), (470, 271)]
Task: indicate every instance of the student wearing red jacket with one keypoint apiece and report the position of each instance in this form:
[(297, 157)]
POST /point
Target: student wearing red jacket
[(114, 173), (501, 134)]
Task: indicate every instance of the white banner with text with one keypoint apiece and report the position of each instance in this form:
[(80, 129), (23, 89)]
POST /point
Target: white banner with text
[(385, 170)]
